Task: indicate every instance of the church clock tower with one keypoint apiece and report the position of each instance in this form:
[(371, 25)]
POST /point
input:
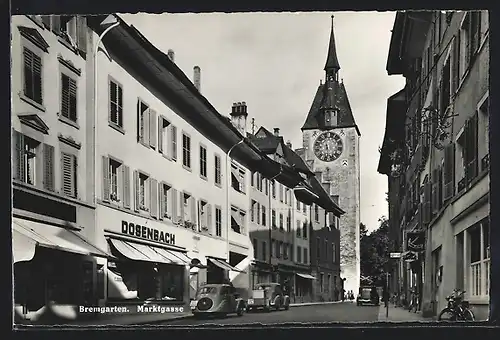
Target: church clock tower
[(331, 148)]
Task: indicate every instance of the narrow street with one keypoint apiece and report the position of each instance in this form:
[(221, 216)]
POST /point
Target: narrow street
[(339, 312)]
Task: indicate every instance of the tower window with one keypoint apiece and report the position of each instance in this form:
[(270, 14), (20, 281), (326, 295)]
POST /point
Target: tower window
[(328, 118)]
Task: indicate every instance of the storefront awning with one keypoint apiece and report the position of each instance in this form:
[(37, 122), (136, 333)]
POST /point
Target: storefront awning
[(26, 235), (224, 265), (142, 252), (306, 276)]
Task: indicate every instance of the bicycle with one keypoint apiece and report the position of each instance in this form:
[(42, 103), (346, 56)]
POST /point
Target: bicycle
[(457, 307)]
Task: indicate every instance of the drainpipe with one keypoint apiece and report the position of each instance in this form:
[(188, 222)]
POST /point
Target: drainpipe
[(271, 218), (228, 186), (95, 59)]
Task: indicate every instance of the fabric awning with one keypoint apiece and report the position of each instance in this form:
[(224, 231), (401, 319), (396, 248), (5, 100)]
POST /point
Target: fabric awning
[(142, 252), (128, 251), (224, 265), (306, 276), (26, 235), (173, 256)]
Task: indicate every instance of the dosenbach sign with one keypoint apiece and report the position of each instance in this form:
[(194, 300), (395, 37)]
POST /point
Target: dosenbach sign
[(415, 241), (151, 234)]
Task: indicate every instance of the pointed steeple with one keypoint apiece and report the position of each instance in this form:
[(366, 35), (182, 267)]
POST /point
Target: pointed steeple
[(332, 63)]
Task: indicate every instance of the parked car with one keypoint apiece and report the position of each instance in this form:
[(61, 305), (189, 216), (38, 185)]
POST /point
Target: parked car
[(368, 295), (268, 296), (217, 299)]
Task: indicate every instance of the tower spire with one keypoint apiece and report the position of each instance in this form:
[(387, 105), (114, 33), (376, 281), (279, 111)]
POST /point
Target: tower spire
[(332, 63)]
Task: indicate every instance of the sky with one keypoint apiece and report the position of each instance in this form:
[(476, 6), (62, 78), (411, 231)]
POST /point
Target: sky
[(274, 62)]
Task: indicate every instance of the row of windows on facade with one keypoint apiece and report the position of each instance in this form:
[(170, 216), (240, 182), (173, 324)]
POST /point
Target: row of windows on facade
[(464, 47), (260, 183), (158, 199), (451, 177), (258, 215), (280, 250), (34, 164)]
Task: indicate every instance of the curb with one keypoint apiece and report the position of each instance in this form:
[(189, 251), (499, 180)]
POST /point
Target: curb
[(316, 303)]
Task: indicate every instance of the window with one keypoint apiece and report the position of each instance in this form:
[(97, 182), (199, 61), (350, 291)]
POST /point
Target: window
[(252, 211), (285, 251), (318, 248), (257, 216), (266, 186), (479, 241), (321, 281), (218, 222), (264, 250), (237, 178), (255, 249), (188, 209), (289, 222), (304, 230), (173, 142), (298, 205), (166, 196), (115, 103), (279, 249), (316, 213), (467, 142), (237, 220), (286, 195), (264, 215), (334, 252), (299, 227), (305, 256), (114, 180), (281, 222), (26, 151), (69, 174), (186, 151), (218, 175), (328, 281), (32, 76), (273, 218), (281, 191), (273, 188), (445, 87), (164, 137), (299, 254), (204, 216), (326, 249), (68, 97), (304, 208), (143, 191), (147, 125), (203, 161)]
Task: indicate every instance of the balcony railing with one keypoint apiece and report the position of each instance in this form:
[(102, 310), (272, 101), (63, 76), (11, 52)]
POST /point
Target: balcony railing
[(461, 184), (485, 162)]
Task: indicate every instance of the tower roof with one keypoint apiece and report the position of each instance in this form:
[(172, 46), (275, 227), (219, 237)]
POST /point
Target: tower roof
[(332, 62)]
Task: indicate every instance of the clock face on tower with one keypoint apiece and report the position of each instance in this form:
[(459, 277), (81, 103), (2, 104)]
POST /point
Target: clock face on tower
[(328, 146)]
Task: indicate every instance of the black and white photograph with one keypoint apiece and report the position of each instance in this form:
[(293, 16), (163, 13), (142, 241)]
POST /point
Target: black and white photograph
[(182, 169)]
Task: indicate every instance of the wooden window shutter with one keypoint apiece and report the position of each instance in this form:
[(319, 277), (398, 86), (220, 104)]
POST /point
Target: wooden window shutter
[(81, 27), (472, 163), (455, 64), (181, 206), (172, 140), (105, 179), (161, 199), (126, 186), (153, 187), (68, 165), (435, 192), (426, 209), (139, 137), (152, 128), (192, 205), (173, 204), (136, 190), (476, 30), (197, 213), (146, 136), (48, 167), (209, 217), (18, 159), (468, 39), (440, 187), (449, 170), (160, 134)]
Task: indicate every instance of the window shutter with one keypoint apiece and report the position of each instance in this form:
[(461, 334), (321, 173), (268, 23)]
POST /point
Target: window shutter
[(153, 187), (193, 214), (209, 217), (435, 191), (181, 205), (56, 23), (105, 179), (146, 136), (161, 199), (126, 186), (472, 148), (160, 134), (476, 30), (468, 40), (68, 174), (173, 204), (426, 207), (48, 167), (152, 128), (139, 137), (72, 99), (136, 190), (455, 66), (18, 159), (65, 110), (449, 169), (198, 214), (440, 187), (173, 142), (81, 26)]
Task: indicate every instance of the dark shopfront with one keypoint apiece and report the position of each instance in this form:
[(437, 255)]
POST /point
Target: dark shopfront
[(54, 272), (144, 272), (303, 287)]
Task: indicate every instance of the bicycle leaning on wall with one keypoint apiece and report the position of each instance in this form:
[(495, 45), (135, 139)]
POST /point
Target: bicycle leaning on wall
[(457, 309)]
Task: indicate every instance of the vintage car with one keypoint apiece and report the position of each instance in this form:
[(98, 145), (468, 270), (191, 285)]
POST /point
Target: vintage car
[(268, 296), (368, 295), (217, 299)]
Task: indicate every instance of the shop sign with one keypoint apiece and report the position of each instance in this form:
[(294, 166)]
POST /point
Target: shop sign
[(147, 233), (415, 241)]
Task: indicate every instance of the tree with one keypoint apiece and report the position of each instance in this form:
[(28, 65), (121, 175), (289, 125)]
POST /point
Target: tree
[(375, 248)]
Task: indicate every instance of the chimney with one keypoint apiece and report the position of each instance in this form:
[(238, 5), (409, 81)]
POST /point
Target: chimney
[(171, 55), (239, 116), (289, 144), (277, 132), (197, 77)]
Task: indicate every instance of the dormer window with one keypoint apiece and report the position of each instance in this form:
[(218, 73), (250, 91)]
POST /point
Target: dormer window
[(330, 118)]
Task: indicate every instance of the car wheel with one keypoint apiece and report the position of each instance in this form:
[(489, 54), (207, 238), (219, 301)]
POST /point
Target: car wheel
[(287, 307), (267, 309), (249, 309)]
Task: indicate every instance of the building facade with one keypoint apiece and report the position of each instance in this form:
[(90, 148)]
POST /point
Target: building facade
[(53, 230), (331, 149), (446, 171)]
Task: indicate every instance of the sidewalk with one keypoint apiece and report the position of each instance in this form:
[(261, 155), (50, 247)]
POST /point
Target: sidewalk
[(316, 303), (398, 314)]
